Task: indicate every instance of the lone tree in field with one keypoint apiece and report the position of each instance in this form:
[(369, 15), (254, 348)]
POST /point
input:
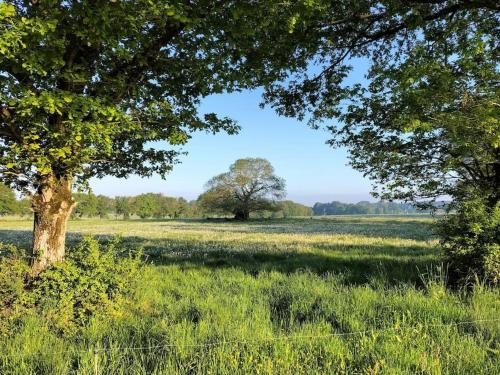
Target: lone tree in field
[(249, 186), (86, 87)]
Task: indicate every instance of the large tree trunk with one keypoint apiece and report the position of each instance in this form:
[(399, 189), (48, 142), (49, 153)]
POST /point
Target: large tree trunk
[(52, 205), (242, 215)]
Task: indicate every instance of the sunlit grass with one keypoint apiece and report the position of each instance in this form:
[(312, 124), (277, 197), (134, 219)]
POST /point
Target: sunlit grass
[(342, 295)]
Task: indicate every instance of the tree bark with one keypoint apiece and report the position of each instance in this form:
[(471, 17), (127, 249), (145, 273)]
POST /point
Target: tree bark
[(52, 206)]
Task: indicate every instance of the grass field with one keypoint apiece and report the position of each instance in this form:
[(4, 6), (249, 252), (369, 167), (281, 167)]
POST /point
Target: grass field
[(336, 295)]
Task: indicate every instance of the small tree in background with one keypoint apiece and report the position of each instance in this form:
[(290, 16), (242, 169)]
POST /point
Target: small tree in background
[(249, 186), (23, 207), (86, 204), (7, 200), (105, 205), (123, 206), (166, 207), (181, 207), (146, 205), (293, 209)]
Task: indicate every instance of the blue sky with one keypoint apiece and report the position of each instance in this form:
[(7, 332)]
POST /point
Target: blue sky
[(314, 172)]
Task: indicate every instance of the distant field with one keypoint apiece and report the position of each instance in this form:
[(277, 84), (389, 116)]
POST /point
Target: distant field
[(322, 295)]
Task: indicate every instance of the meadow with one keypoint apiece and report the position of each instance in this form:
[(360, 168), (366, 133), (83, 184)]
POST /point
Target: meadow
[(347, 295)]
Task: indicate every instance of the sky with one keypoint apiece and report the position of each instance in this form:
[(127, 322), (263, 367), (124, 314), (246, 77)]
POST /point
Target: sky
[(314, 172)]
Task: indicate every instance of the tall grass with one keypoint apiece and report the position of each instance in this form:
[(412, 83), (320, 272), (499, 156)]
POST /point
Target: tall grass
[(345, 295)]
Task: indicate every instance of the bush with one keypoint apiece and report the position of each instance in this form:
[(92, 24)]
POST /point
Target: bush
[(13, 272), (92, 281), (471, 240)]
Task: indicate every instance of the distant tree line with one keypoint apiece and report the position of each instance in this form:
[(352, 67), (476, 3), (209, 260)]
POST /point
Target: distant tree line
[(10, 205), (159, 206), (364, 208), (145, 206)]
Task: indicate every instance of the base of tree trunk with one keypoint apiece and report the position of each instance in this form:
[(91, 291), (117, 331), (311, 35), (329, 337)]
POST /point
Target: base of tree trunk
[(242, 215)]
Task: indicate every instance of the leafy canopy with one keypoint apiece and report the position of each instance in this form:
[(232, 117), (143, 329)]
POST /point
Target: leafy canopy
[(426, 122), (88, 88)]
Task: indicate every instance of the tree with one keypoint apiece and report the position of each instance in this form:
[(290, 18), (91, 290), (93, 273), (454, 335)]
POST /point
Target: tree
[(250, 185), (7, 200), (86, 204), (105, 205), (23, 207), (156, 205), (192, 209), (426, 124), (170, 207), (144, 205), (123, 206), (291, 209), (181, 207), (87, 86)]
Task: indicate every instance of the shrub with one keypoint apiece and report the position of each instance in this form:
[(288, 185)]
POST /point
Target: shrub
[(92, 281), (13, 271), (14, 299), (471, 240)]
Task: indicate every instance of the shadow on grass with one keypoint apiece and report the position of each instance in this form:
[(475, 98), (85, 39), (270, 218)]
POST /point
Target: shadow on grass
[(413, 229), (358, 264), (355, 270)]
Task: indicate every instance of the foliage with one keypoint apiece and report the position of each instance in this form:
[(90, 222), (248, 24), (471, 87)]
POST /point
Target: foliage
[(87, 88), (153, 205), (90, 205), (7, 200), (193, 210), (123, 206), (321, 296), (105, 205), (10, 205), (169, 206), (471, 238), (24, 207), (13, 275), (249, 186), (158, 206), (145, 205), (293, 209), (92, 281), (429, 131), (425, 124), (87, 204)]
